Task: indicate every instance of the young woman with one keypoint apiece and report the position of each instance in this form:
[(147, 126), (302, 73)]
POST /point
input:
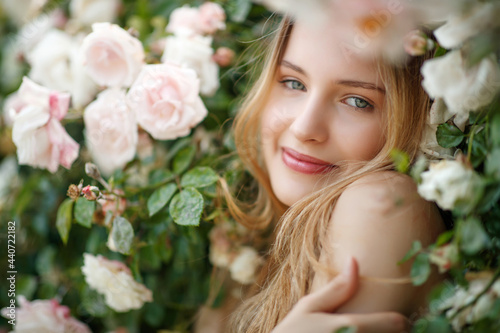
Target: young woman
[(317, 131)]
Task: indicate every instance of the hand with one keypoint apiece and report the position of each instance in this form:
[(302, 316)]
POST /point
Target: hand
[(313, 312)]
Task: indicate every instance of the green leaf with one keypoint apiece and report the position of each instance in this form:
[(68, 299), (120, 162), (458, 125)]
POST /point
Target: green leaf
[(492, 165), (440, 51), (432, 325), (186, 207), (416, 246), (421, 269), (495, 130), (26, 285), (199, 177), (84, 210), (160, 176), (449, 135), (401, 160), (490, 197), (183, 159), (347, 329), (445, 237), (473, 238), (63, 220), (122, 235), (160, 198), (238, 10)]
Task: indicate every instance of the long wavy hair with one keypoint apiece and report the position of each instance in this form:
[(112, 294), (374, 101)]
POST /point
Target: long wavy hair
[(300, 230)]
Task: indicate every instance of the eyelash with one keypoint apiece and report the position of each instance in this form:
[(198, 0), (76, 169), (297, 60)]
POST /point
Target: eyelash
[(368, 106)]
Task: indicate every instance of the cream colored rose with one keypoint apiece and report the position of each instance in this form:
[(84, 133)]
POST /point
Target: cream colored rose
[(244, 267), (463, 25), (114, 280), (165, 100), (110, 131), (22, 11), (194, 51), (462, 89), (449, 183), (40, 138), (43, 316), (56, 63), (184, 20), (88, 12), (112, 56)]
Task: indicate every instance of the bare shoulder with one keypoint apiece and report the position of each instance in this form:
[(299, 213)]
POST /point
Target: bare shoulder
[(388, 199), (375, 220)]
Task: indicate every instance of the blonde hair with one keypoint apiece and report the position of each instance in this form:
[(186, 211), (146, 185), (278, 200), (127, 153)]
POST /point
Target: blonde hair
[(301, 229)]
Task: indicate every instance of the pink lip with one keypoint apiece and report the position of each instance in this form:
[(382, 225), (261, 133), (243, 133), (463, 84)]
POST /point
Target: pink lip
[(304, 163)]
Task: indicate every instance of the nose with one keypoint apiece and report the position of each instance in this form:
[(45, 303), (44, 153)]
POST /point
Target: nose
[(310, 122)]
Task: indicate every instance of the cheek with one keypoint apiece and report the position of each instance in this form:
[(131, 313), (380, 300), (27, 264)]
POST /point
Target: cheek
[(274, 120), (361, 139)]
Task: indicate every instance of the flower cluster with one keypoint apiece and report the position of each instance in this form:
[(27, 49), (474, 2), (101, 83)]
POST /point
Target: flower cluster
[(105, 74)]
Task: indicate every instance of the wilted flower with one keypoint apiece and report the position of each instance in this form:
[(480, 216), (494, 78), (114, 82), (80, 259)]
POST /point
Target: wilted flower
[(43, 316), (40, 138), (244, 267), (444, 257), (449, 184), (112, 56), (166, 101), (74, 192), (114, 280), (110, 130), (90, 192)]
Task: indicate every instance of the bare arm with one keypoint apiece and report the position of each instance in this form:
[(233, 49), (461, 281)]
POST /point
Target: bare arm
[(376, 220)]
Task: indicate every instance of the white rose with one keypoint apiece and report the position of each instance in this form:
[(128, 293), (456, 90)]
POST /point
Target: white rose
[(43, 316), (195, 52), (22, 11), (114, 280), (462, 89), (88, 12), (112, 56), (166, 101), (184, 20), (464, 25), (56, 63), (110, 131), (40, 138), (449, 183), (244, 267)]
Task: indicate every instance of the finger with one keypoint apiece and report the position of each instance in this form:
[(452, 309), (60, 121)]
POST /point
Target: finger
[(384, 322), (334, 293)]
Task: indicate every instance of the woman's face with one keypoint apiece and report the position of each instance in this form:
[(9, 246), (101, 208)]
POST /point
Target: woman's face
[(323, 105)]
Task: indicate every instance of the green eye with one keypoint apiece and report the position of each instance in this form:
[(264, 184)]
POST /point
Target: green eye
[(358, 103), (293, 84)]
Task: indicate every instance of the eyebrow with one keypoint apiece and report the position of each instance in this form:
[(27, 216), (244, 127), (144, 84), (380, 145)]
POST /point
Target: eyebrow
[(349, 83)]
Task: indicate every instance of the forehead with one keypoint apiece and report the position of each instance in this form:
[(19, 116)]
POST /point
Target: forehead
[(325, 49)]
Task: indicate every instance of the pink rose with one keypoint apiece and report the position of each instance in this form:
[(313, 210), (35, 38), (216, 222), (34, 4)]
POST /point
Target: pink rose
[(223, 56), (110, 202), (166, 101), (111, 131), (112, 56), (212, 18), (184, 19), (416, 43), (44, 316), (40, 138), (12, 106), (207, 19)]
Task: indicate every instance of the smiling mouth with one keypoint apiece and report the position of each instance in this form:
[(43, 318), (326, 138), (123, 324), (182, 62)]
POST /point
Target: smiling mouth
[(302, 166)]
